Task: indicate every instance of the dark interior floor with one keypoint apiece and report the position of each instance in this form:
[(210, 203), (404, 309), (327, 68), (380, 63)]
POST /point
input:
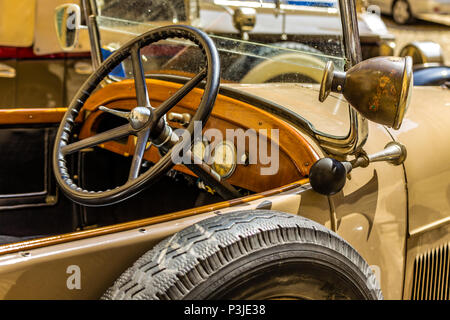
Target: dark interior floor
[(100, 170)]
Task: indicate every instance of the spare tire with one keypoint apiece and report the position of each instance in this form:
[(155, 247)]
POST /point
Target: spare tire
[(260, 254)]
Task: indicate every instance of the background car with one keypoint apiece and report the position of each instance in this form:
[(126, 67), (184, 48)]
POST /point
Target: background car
[(429, 66), (29, 49), (405, 11)]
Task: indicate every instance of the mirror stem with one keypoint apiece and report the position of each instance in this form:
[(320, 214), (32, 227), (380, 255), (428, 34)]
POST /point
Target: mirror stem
[(393, 153), (328, 176)]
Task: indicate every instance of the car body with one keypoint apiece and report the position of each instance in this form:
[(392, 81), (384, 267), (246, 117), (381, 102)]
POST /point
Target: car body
[(395, 216), (404, 11)]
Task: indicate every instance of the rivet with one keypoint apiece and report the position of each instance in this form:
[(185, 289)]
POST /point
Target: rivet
[(142, 230)]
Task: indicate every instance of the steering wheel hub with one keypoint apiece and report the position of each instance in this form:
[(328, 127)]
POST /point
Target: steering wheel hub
[(139, 117)]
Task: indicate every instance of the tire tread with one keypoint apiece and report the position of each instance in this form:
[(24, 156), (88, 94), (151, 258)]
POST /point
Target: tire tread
[(178, 264)]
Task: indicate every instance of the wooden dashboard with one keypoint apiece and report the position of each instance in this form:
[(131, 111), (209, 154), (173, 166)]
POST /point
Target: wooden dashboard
[(295, 154)]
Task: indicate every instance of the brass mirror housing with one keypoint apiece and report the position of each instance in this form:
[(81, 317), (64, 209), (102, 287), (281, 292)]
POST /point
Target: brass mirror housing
[(67, 25), (378, 88)]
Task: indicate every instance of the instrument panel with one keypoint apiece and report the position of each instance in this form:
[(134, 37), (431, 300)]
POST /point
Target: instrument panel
[(232, 157)]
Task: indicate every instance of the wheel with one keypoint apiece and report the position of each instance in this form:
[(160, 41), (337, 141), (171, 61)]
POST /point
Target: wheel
[(144, 121), (401, 12), (259, 254)]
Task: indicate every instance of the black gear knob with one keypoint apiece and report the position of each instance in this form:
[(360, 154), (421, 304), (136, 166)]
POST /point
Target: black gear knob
[(327, 176)]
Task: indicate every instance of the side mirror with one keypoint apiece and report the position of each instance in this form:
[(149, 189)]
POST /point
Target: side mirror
[(67, 24), (378, 88)]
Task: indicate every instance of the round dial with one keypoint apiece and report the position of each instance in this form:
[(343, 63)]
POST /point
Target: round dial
[(224, 159), (201, 149)]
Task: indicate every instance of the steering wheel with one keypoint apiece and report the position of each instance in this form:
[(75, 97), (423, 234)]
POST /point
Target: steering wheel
[(144, 121)]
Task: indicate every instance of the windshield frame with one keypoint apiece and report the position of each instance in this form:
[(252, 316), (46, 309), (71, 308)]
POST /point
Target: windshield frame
[(357, 135)]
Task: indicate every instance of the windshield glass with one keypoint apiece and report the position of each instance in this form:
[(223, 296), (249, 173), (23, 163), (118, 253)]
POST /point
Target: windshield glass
[(263, 45)]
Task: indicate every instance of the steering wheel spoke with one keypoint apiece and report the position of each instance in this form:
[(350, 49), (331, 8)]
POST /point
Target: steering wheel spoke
[(141, 144), (179, 94), (97, 139), (139, 78), (118, 113)]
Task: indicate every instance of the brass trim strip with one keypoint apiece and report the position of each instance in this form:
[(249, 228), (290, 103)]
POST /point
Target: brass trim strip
[(430, 226)]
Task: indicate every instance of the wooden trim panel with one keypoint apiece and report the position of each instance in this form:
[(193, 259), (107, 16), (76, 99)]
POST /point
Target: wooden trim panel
[(31, 116)]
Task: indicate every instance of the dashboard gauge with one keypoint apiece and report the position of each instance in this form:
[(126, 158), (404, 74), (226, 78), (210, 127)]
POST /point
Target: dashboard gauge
[(200, 149), (224, 159)]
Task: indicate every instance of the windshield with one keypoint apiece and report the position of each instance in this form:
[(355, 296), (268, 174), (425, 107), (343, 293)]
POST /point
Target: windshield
[(263, 44)]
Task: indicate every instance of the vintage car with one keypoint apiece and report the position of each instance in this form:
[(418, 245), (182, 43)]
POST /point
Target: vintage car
[(173, 174), (405, 11)]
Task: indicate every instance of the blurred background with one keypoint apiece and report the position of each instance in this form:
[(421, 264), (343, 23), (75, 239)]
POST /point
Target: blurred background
[(420, 30), (415, 20)]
